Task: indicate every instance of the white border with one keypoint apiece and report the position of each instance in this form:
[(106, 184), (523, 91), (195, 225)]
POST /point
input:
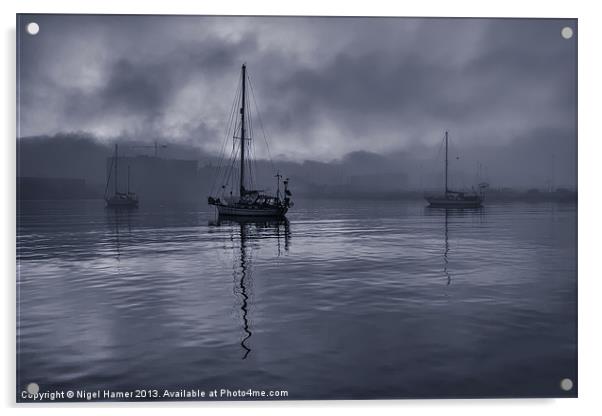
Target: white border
[(590, 135)]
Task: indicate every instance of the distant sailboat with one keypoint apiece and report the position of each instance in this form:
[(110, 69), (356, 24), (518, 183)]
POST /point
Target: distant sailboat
[(119, 199), (455, 199), (248, 202)]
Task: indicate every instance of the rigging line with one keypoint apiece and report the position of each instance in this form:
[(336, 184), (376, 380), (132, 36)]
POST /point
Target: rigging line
[(227, 130), (455, 166), (222, 154), (234, 166), (251, 150), (231, 129), (254, 149), (231, 124), (254, 102), (230, 132), (252, 169), (248, 147), (255, 166), (109, 178), (248, 144), (230, 171), (261, 123)]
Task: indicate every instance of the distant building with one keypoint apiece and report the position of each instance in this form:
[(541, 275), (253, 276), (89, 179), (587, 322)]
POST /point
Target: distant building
[(378, 182), (155, 178), (38, 188)]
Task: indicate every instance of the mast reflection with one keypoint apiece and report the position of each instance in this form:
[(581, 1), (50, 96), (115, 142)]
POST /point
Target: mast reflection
[(446, 251), (465, 217), (446, 213), (245, 273), (118, 220), (251, 232)]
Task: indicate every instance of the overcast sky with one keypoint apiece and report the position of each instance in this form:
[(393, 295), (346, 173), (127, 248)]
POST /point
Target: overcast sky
[(325, 86)]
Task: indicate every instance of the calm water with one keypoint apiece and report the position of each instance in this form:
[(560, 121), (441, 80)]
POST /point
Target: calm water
[(348, 299)]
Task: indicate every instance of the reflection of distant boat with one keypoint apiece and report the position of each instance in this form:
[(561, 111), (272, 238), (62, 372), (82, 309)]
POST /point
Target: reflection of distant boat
[(445, 217), (446, 251), (119, 199), (119, 219), (248, 202), (455, 199)]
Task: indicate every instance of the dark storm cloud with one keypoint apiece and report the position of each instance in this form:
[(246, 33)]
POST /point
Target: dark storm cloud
[(326, 86), (145, 89), (131, 88), (521, 70)]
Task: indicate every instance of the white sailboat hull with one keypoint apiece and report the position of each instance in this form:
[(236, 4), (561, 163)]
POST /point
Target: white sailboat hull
[(116, 201), (225, 210), (443, 202)]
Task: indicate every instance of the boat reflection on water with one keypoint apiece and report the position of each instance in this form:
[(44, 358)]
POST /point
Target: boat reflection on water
[(447, 214), (248, 231), (446, 251), (119, 222)]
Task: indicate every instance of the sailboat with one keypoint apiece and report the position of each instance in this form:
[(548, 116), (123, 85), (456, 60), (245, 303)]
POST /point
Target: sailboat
[(455, 199), (247, 202), (119, 199)]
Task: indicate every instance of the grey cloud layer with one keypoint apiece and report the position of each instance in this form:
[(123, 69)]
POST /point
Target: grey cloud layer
[(326, 86)]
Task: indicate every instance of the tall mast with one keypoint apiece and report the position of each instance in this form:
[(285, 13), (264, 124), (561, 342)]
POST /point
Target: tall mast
[(116, 159), (242, 133), (446, 163), (128, 179)]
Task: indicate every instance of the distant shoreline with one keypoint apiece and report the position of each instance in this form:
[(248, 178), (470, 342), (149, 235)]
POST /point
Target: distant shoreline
[(541, 197)]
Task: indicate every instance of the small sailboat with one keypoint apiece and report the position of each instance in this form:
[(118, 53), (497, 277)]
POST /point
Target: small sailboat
[(455, 199), (246, 201), (119, 199)]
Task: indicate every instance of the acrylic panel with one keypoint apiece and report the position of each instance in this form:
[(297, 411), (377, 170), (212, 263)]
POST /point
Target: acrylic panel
[(291, 208)]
